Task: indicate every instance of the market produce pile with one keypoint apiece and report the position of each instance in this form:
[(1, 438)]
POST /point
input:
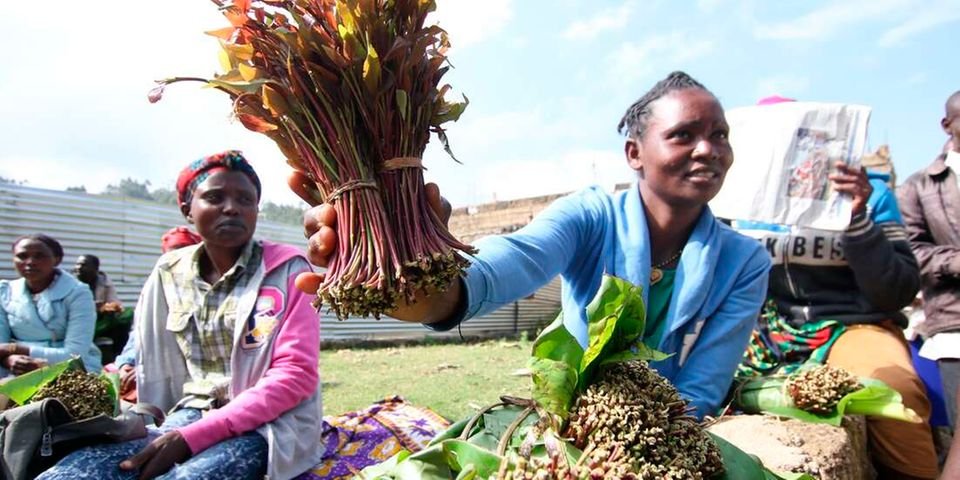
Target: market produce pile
[(820, 389), (595, 412), (84, 394), (631, 408), (820, 394), (351, 91)]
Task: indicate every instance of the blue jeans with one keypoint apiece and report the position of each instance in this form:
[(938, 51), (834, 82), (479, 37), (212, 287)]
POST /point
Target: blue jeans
[(243, 457)]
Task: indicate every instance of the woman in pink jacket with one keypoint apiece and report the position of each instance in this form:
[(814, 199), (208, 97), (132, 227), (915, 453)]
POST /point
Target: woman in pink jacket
[(225, 343)]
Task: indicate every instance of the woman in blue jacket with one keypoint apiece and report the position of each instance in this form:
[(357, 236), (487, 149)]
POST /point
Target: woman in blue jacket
[(703, 284), (46, 315)]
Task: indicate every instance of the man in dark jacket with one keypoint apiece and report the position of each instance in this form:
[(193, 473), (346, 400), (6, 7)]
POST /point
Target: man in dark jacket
[(930, 202)]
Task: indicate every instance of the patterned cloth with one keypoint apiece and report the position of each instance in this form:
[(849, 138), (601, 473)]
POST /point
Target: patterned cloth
[(778, 347), (243, 457), (356, 440), (203, 322), (199, 170)]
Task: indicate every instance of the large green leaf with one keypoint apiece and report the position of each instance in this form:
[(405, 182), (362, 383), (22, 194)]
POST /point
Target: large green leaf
[(616, 319), (21, 388), (556, 343), (427, 464), (740, 465), (767, 395), (554, 385), (460, 455)]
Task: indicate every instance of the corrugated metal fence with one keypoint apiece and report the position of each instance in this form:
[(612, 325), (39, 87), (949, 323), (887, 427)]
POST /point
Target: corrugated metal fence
[(125, 234)]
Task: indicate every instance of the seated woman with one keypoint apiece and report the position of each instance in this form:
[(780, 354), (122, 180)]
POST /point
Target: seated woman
[(225, 343), (46, 316), (703, 284)]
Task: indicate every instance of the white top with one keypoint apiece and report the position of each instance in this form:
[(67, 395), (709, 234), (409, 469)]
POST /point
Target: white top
[(953, 161), (942, 345)]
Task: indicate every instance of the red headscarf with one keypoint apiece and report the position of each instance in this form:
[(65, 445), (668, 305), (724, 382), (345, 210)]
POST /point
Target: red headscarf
[(198, 171), (178, 237)]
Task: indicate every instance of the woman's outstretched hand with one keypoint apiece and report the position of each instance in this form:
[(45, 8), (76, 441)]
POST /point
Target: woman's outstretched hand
[(319, 227)]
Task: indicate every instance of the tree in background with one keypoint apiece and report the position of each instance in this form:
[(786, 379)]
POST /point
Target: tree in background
[(12, 181), (128, 187), (78, 189)]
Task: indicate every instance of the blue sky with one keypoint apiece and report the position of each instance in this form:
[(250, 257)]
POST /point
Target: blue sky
[(547, 80)]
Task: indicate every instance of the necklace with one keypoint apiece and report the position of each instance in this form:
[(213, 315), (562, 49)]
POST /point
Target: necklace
[(656, 272)]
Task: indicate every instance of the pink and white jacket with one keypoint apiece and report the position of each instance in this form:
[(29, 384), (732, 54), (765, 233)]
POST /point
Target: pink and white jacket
[(275, 384)]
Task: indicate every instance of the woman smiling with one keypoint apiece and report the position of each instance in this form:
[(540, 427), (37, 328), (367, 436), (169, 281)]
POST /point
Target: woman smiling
[(703, 283)]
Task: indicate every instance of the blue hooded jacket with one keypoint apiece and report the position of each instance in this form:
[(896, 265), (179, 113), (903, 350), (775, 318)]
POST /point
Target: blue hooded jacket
[(720, 283), (59, 325)]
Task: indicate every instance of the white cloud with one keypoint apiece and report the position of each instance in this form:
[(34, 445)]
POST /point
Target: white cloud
[(926, 18), (824, 22), (663, 52), (573, 170), (478, 142), (785, 85), (605, 20), (471, 22)]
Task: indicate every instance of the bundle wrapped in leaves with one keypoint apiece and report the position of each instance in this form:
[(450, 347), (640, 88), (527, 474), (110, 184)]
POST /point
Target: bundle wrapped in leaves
[(84, 394), (821, 394), (598, 412), (350, 91)]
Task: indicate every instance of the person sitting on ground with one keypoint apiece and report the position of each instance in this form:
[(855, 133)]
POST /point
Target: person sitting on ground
[(226, 343), (125, 363), (87, 270), (703, 284), (835, 298), (46, 315), (929, 200)]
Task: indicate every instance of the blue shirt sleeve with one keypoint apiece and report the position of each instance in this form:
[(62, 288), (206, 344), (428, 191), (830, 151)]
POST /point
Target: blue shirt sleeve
[(129, 354), (513, 266), (4, 321), (883, 204)]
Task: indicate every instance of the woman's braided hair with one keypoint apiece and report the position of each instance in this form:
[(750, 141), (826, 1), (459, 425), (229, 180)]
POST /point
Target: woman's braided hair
[(634, 122)]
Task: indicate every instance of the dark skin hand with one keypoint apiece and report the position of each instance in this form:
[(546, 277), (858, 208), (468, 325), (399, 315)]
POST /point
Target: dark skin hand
[(19, 364), (852, 181), (159, 456), (128, 381)]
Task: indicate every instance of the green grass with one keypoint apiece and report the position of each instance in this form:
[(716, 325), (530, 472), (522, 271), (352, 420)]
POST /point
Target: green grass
[(452, 379)]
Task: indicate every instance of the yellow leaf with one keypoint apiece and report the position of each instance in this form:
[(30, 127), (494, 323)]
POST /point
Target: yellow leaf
[(274, 101), (226, 61), (240, 52), (247, 72), (371, 70)]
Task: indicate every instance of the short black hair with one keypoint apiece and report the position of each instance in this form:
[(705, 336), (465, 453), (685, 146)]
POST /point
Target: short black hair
[(952, 101), (93, 259), (634, 121), (47, 240)]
